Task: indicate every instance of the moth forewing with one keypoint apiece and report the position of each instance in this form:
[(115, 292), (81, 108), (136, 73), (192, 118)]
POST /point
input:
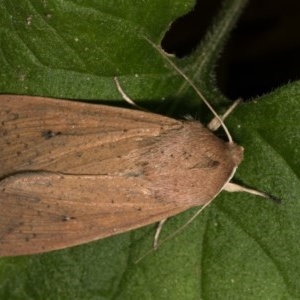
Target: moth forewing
[(98, 171), (74, 172)]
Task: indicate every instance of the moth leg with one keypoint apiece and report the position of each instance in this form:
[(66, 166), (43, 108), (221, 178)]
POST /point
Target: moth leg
[(157, 233), (214, 124), (233, 187), (125, 96)]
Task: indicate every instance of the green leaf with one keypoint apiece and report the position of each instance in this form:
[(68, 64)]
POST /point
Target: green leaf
[(242, 246), (73, 49)]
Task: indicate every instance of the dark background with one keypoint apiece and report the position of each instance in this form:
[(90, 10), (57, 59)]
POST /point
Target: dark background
[(262, 52)]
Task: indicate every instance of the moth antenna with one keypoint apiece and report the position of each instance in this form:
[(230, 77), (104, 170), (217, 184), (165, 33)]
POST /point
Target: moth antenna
[(190, 82), (185, 224), (229, 187), (214, 124), (156, 244)]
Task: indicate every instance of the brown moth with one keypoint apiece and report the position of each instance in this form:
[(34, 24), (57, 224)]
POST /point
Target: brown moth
[(73, 172)]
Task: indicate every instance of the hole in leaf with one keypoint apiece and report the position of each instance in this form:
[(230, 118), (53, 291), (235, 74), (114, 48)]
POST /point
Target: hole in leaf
[(186, 32), (262, 52)]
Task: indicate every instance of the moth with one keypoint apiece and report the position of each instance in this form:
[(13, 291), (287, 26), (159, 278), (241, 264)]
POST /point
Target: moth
[(73, 172)]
